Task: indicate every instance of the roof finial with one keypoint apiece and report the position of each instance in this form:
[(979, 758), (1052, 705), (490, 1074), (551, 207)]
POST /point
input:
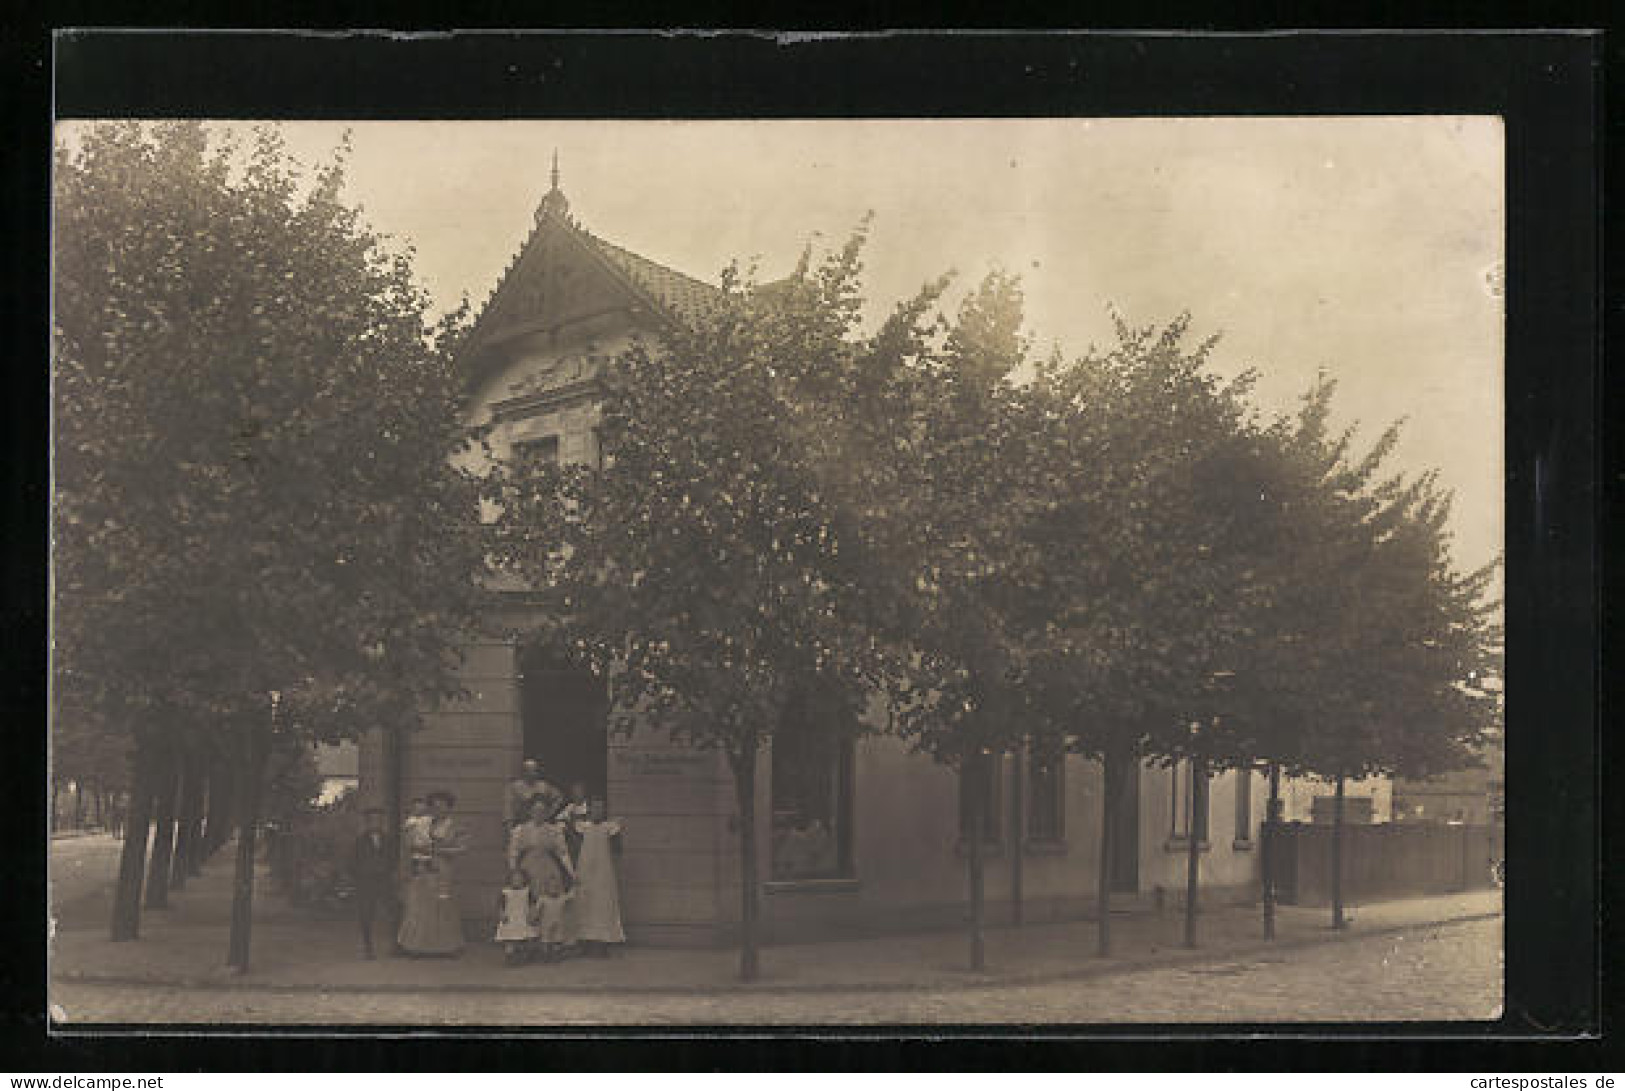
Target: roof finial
[(553, 201)]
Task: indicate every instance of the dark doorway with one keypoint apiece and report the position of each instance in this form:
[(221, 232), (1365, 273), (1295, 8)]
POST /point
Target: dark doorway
[(1125, 862), (562, 710)]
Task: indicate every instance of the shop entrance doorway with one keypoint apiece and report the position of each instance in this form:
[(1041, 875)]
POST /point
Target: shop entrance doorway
[(562, 711)]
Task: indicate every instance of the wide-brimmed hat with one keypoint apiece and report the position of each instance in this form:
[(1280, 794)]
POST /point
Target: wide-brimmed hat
[(451, 800)]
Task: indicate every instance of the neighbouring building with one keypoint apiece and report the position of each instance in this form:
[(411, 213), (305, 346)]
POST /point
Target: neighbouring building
[(1308, 799), (854, 837), (1476, 797)]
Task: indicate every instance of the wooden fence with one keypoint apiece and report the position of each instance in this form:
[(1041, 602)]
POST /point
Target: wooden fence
[(1385, 860)]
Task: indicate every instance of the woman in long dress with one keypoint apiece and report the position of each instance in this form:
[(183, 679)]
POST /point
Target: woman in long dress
[(538, 848), (431, 921), (597, 907)]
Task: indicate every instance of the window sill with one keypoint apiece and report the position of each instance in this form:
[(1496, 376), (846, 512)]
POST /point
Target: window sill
[(1045, 846), (1242, 844), (810, 886), (1183, 844)]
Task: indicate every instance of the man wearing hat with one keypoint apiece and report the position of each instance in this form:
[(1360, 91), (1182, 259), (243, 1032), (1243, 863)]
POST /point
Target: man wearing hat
[(516, 802), (374, 869)]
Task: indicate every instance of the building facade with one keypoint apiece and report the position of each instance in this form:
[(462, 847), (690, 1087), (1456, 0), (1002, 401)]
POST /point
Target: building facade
[(854, 837)]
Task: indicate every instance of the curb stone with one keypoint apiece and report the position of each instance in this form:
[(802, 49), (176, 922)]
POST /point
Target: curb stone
[(1177, 958)]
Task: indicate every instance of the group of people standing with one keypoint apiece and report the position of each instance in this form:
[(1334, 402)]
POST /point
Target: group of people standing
[(561, 892)]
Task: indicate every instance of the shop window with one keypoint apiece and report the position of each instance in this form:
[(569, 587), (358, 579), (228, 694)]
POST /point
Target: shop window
[(982, 770), (1188, 817), (1046, 791), (812, 788)]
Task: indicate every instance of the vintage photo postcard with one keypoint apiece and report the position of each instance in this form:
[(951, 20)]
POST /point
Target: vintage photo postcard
[(546, 573)]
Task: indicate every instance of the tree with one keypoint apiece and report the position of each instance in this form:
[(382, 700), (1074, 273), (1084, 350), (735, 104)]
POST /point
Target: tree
[(255, 496), (965, 498), (704, 569), (1147, 579), (1376, 650)]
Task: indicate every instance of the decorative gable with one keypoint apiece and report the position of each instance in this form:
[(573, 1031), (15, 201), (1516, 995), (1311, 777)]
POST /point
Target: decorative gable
[(555, 281), (564, 278)]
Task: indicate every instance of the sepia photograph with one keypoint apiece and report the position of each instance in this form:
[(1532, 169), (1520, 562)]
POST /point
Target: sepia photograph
[(822, 572)]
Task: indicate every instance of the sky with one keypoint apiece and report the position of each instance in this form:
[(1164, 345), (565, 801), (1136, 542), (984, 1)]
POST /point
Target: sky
[(1361, 246)]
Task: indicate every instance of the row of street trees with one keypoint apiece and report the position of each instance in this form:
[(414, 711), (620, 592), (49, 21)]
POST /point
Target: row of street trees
[(1115, 556), (259, 537)]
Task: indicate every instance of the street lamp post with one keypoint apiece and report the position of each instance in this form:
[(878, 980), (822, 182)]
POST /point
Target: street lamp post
[(1193, 846), (1339, 921)]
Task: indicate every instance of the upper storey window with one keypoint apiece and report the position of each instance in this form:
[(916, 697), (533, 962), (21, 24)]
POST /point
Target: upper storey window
[(543, 448)]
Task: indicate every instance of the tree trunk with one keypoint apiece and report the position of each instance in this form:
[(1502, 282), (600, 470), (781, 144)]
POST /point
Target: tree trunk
[(1018, 813), (126, 923), (1337, 856), (186, 829), (974, 769), (1269, 849), (744, 770), (1110, 776), (251, 773), (1193, 854), (56, 794), (96, 798), (78, 804), (167, 779)]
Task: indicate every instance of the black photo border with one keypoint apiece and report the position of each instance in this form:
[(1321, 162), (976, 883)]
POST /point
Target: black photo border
[(1547, 87)]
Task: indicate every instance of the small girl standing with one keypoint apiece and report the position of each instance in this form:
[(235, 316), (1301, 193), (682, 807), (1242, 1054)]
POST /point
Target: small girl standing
[(552, 901), (598, 897), (515, 918)]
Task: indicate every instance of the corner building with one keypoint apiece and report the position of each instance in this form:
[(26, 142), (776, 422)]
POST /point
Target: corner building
[(854, 839)]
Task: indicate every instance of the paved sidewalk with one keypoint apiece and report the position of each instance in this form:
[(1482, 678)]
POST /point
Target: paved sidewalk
[(294, 950)]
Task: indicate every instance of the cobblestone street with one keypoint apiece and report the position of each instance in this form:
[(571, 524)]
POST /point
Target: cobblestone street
[(1432, 972)]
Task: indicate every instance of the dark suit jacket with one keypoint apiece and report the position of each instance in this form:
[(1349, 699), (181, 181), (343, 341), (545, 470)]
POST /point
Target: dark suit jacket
[(374, 863)]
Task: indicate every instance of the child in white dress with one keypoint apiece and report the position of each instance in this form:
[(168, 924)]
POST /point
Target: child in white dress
[(416, 838), (552, 903), (516, 925), (598, 898)]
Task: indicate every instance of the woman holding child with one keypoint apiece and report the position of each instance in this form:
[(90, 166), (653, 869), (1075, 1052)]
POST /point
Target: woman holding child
[(538, 849), (431, 921)]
